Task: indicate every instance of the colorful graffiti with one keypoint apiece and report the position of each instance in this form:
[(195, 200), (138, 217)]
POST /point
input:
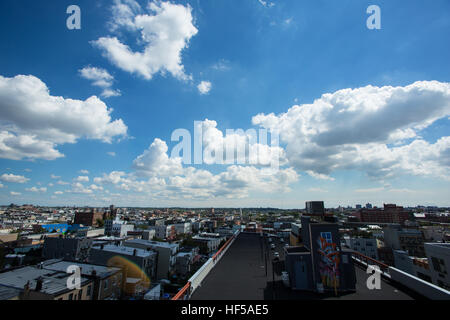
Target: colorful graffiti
[(329, 260)]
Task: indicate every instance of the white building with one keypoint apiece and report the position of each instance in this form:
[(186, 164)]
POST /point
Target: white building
[(438, 255), (367, 247), (183, 228), (117, 228)]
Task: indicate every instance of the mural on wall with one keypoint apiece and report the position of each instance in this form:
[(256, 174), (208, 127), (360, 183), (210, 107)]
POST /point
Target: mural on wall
[(329, 261)]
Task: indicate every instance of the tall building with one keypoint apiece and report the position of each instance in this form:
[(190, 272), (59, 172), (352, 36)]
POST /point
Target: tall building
[(409, 240), (315, 208), (320, 264), (72, 249), (88, 218), (389, 214)]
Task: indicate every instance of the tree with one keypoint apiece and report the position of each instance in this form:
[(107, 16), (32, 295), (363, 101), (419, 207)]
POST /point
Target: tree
[(100, 222)]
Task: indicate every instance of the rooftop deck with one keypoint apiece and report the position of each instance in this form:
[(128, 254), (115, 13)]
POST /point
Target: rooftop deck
[(242, 274)]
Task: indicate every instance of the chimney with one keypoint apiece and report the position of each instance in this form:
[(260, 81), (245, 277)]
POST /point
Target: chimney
[(39, 283)]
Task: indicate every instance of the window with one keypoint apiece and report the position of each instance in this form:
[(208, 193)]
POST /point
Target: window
[(80, 294), (438, 265), (89, 291), (326, 236), (71, 296)]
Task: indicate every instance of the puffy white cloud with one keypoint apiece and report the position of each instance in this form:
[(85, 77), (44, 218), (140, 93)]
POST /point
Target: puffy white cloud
[(372, 129), (34, 122), (100, 78), (238, 146), (156, 162), (112, 154), (55, 176), (13, 178), (82, 179), (83, 171), (204, 87), (80, 188), (35, 189), (319, 176), (58, 192), (1, 186), (165, 33), (167, 178), (13, 193)]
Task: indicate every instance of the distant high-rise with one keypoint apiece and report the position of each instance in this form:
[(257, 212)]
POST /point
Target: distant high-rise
[(315, 207), (368, 206)]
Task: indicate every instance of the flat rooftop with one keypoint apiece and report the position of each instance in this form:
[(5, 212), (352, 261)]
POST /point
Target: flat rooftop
[(86, 269), (128, 251), (54, 282), (241, 275)]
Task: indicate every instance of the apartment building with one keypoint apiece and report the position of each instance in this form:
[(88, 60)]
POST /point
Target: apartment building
[(107, 282), (136, 263), (37, 283), (366, 246), (320, 264), (166, 258), (73, 249)]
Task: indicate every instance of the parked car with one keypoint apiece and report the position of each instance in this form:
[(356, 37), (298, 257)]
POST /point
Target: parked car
[(276, 255), (272, 246)]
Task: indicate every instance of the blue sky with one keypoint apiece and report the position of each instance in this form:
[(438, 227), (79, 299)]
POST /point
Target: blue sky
[(259, 59)]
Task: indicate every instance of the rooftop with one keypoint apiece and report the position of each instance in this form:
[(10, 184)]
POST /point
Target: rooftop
[(241, 275), (54, 282), (127, 250), (86, 269), (153, 243)]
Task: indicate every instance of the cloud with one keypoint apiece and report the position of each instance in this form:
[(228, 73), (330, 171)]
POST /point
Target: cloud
[(1, 186), (35, 189), (112, 154), (319, 176), (266, 4), (156, 162), (80, 189), (370, 129), (58, 192), (55, 177), (84, 171), (13, 193), (34, 122), (221, 65), (100, 78), (163, 177), (242, 145), (62, 183), (13, 178), (204, 87), (82, 179), (165, 33)]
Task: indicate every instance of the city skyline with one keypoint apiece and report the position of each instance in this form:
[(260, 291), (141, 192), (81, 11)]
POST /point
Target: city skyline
[(87, 116)]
